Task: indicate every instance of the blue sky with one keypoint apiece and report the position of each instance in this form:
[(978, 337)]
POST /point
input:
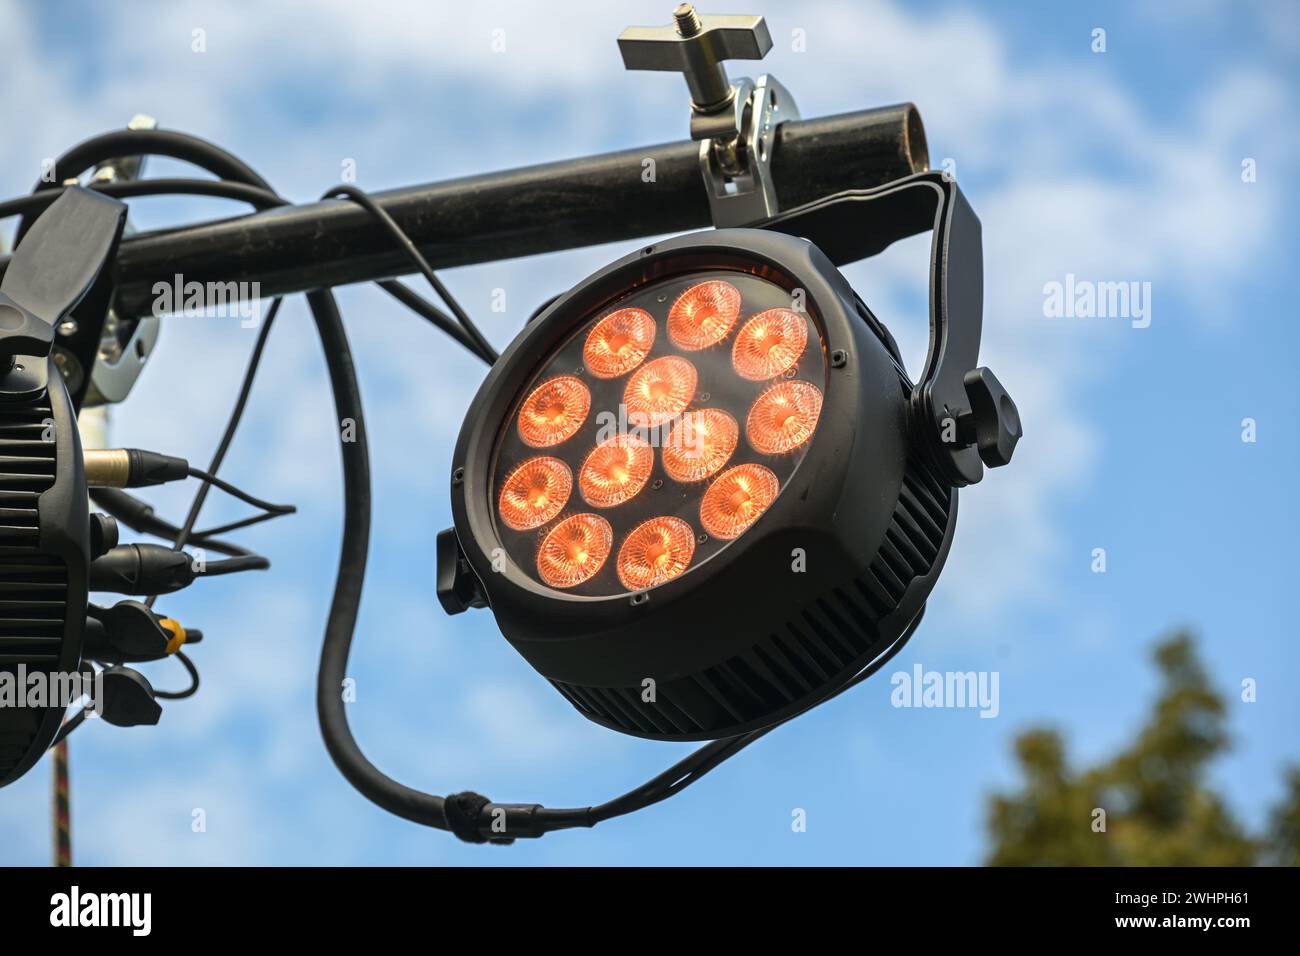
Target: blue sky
[(1115, 166)]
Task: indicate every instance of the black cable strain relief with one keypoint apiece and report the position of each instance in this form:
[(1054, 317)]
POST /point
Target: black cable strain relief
[(141, 569), (151, 468), (461, 811)]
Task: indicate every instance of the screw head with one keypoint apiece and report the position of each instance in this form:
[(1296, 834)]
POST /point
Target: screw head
[(67, 327), (458, 477), (839, 358)]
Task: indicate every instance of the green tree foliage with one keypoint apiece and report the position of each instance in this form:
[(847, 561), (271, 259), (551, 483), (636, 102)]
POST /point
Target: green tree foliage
[(1158, 810), (1284, 834)]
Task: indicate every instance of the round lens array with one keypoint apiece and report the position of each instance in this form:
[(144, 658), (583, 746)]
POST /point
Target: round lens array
[(658, 433)]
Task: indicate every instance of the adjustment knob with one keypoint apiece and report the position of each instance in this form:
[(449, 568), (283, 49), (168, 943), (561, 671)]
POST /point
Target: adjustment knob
[(993, 423)]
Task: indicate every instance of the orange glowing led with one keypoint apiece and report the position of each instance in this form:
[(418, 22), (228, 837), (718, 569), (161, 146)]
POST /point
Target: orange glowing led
[(703, 315), (616, 470), (783, 417), (574, 550), (700, 444), (659, 391), (619, 342), (554, 411), (534, 493), (768, 344), (736, 499), (655, 551)]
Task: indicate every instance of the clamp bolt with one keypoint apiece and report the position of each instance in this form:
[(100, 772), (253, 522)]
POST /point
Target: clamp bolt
[(695, 46)]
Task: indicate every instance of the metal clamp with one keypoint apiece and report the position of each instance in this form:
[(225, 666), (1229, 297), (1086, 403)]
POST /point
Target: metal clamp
[(735, 123), (125, 344)]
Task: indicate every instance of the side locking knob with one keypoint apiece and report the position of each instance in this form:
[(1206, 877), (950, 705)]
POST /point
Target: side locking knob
[(993, 423)]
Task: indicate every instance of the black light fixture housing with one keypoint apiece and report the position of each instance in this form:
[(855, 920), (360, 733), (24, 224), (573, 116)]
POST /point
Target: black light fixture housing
[(46, 531), (839, 564)]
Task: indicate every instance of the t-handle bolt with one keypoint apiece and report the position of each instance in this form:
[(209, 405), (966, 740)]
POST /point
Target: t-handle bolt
[(695, 46)]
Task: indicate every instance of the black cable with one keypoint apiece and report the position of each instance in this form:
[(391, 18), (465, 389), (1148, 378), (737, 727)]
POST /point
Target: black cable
[(248, 562), (363, 200), (194, 681), (233, 525), (77, 719), (256, 196), (138, 515), (244, 496), (140, 142), (232, 423), (36, 203), (426, 309), (69, 725)]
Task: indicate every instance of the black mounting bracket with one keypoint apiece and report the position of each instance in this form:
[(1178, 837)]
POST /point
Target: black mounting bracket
[(58, 264), (967, 416)]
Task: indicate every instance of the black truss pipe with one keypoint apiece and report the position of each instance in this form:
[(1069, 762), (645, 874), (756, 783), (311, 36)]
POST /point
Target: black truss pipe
[(509, 214)]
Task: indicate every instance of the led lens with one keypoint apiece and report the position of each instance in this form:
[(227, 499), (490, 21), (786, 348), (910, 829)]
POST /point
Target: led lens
[(736, 499), (783, 417), (554, 411), (574, 550), (655, 551), (535, 492), (769, 344), (619, 342), (703, 315), (616, 470), (659, 391), (707, 378), (700, 444)]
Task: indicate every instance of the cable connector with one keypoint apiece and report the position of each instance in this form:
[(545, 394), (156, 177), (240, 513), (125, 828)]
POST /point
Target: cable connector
[(155, 569), (131, 632), (142, 569), (476, 819), (132, 468)]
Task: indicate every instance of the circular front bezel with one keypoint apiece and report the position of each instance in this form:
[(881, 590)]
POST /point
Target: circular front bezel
[(528, 610)]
